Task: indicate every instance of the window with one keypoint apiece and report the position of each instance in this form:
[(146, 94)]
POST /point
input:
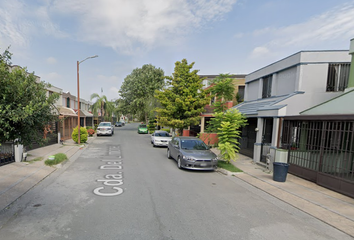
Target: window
[(68, 102), (267, 86), (212, 100), (240, 94), (338, 76)]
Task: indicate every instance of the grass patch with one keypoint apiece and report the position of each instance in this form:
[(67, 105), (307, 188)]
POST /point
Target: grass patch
[(59, 157), (228, 166), (35, 160)]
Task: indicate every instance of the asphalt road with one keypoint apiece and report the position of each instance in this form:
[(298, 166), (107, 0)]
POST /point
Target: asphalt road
[(120, 187)]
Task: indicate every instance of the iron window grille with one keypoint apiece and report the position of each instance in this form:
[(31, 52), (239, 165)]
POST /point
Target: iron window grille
[(338, 77)]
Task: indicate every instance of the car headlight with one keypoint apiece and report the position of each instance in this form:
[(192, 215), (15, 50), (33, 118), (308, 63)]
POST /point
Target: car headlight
[(215, 159), (191, 159)]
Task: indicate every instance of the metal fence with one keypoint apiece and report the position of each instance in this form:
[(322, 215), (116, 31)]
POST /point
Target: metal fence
[(7, 153), (321, 151)]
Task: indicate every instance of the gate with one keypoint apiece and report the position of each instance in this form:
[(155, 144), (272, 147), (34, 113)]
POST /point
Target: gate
[(50, 136), (7, 153), (266, 138), (248, 138), (322, 152)]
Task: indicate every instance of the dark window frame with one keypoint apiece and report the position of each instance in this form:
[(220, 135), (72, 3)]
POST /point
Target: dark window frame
[(267, 86)]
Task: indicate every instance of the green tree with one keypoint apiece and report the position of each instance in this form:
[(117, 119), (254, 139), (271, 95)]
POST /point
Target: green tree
[(103, 104), (25, 109), (223, 89), (229, 125), (138, 89), (184, 100)]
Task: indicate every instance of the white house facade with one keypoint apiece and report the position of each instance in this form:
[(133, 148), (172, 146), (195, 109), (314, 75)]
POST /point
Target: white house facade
[(286, 88)]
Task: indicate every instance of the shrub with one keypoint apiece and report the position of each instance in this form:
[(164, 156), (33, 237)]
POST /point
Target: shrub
[(59, 157), (83, 135), (151, 126), (165, 129), (90, 132)]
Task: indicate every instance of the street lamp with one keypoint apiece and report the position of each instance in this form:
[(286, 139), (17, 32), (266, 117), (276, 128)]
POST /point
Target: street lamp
[(78, 97)]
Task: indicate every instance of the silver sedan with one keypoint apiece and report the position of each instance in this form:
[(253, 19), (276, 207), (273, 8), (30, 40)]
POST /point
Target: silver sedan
[(191, 153), (160, 138)]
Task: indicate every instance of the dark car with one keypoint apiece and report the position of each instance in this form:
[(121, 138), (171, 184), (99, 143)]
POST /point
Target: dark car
[(119, 124), (191, 153)]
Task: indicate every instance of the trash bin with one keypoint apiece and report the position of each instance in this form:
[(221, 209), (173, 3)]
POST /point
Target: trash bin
[(280, 170)]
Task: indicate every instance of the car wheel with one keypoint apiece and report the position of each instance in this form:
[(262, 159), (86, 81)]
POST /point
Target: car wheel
[(179, 163), (168, 154)]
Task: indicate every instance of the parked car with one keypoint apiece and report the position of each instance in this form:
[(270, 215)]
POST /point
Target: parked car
[(119, 124), (160, 138), (191, 153), (142, 128), (105, 128)]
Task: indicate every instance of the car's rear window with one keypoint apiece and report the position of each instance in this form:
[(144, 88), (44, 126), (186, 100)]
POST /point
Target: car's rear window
[(142, 126), (104, 124), (193, 145), (162, 134)]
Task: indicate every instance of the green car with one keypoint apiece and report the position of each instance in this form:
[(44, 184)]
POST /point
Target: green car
[(142, 128)]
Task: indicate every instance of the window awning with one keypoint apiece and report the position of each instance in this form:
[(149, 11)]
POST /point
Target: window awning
[(84, 113), (253, 107), (66, 111)]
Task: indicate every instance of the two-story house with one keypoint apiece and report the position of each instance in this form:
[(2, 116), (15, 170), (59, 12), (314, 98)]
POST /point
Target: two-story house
[(68, 116), (286, 88), (238, 81), (319, 143)]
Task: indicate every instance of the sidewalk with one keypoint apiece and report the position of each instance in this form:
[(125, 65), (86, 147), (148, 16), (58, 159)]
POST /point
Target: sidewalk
[(328, 206), (19, 177)]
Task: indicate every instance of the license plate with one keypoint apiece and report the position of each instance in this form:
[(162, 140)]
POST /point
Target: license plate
[(203, 164)]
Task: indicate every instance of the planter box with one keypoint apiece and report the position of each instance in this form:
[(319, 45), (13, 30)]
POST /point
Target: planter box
[(209, 138)]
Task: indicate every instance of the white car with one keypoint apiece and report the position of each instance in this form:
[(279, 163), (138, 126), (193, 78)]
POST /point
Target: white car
[(105, 128), (160, 138)]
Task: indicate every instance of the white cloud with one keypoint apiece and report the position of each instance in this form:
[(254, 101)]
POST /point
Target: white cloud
[(134, 26), (259, 52), (51, 60), (52, 77), (329, 27)]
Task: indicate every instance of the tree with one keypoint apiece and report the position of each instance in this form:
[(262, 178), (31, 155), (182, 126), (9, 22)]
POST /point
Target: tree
[(101, 103), (228, 126), (223, 89), (184, 100), (139, 87), (25, 109)]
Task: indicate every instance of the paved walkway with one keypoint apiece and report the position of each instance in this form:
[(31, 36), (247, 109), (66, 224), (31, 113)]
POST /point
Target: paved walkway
[(328, 206)]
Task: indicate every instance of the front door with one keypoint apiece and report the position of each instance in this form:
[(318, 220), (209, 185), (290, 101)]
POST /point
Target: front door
[(266, 138)]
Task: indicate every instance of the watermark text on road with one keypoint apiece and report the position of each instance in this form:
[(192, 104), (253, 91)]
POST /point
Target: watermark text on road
[(111, 181)]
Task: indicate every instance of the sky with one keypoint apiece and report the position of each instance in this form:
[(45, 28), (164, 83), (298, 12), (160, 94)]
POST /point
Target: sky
[(48, 37)]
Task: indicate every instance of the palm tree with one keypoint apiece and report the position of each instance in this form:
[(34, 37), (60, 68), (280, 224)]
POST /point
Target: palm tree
[(101, 103)]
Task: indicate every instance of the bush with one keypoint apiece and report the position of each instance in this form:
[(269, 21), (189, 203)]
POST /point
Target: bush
[(151, 126), (90, 132), (165, 129), (59, 157), (83, 135)]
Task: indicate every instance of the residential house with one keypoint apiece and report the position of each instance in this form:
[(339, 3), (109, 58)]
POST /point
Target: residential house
[(68, 116), (239, 83), (320, 141), (86, 117), (286, 88)]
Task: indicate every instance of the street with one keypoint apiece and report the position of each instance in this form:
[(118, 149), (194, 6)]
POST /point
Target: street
[(121, 187)]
